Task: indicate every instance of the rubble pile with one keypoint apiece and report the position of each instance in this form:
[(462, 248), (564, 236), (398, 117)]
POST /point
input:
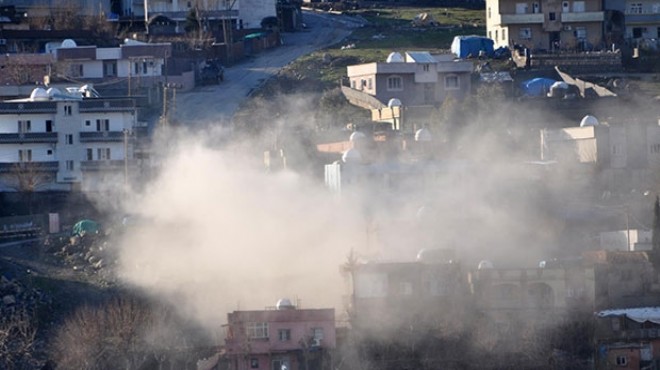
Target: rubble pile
[(16, 298), (89, 254)]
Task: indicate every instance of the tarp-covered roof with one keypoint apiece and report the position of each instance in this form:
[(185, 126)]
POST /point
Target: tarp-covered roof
[(640, 314), (537, 86)]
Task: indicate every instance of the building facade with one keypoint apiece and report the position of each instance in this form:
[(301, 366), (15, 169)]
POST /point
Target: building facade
[(57, 140), (415, 78), (642, 20), (545, 25), (281, 338)]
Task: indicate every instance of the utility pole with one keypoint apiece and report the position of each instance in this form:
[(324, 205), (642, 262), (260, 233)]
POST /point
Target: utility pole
[(227, 30), (126, 159)]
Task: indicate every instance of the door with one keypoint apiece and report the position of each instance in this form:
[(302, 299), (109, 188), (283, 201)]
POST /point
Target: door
[(554, 40)]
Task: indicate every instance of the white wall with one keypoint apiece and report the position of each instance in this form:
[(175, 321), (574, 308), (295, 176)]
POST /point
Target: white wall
[(9, 123), (251, 12), (93, 69), (9, 152)]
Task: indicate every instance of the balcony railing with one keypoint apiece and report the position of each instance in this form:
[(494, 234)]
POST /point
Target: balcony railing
[(536, 18), (106, 105), (29, 137), (583, 17), (29, 166), (28, 107), (640, 334), (102, 136), (636, 18), (105, 165)]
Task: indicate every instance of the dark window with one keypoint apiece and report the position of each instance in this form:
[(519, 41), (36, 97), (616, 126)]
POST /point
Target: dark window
[(254, 363), (637, 32), (552, 16), (49, 125), (90, 154)]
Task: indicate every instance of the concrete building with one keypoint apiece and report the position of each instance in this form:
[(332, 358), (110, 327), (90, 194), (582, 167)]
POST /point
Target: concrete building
[(65, 140), (642, 20), (622, 156), (391, 295), (415, 78), (282, 337), (141, 64), (545, 25), (628, 338)]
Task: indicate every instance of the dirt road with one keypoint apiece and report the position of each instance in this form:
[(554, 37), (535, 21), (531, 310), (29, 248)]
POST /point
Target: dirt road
[(216, 104)]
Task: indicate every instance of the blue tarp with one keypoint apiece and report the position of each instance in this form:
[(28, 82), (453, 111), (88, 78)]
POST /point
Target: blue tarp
[(537, 86), (464, 46)]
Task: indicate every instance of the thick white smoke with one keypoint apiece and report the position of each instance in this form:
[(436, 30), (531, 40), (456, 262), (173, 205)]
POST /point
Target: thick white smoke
[(217, 233)]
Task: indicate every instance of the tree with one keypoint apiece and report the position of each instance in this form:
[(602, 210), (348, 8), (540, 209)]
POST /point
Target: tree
[(125, 333), (28, 178), (655, 240), (17, 339)]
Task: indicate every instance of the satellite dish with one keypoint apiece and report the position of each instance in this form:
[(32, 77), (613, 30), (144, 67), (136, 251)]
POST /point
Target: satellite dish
[(423, 135), (351, 156), (589, 120), (395, 57), (68, 44), (394, 102)]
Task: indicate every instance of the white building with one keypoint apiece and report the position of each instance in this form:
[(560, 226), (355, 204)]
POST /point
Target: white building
[(65, 140), (132, 59)]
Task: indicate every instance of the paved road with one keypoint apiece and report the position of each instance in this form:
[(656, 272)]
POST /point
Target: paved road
[(217, 103)]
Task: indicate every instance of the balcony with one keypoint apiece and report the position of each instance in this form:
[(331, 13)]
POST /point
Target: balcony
[(6, 167), (101, 136), (583, 17), (642, 18), (29, 137), (105, 165), (535, 18), (106, 105)]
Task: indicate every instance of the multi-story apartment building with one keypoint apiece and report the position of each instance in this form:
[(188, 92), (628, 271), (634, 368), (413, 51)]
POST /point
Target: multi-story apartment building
[(63, 140), (415, 78), (545, 25), (642, 19), (133, 59), (279, 338), (623, 156)]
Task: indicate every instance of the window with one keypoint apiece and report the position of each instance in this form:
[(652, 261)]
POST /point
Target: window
[(578, 6), (317, 333), (68, 139), (426, 67), (489, 12), (25, 155), (394, 83), (90, 154), (658, 36), (536, 8), (136, 68), (68, 110), (281, 364), (88, 123), (102, 125), (144, 67), (103, 154), (352, 84), (363, 84), (254, 363), (257, 330), (49, 125), (525, 33), (69, 165), (621, 361), (369, 84), (521, 8), (637, 32), (451, 82), (49, 152), (580, 33), (552, 16), (76, 70), (24, 126), (496, 35), (635, 8), (284, 334), (490, 34), (565, 7), (616, 324), (110, 69), (503, 34)]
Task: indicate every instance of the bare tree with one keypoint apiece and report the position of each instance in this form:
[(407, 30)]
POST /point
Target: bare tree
[(28, 177), (17, 340), (123, 333)]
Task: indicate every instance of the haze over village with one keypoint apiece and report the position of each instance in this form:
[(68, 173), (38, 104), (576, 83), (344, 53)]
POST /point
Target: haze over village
[(313, 185)]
